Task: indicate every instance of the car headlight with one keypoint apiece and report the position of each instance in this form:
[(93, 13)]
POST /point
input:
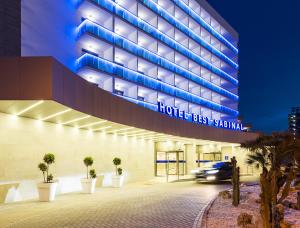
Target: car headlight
[(211, 178), (212, 171)]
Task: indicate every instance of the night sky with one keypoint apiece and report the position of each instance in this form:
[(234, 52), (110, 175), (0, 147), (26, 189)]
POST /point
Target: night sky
[(269, 58)]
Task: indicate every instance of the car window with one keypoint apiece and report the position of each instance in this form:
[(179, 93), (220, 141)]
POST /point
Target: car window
[(227, 166), (218, 165)]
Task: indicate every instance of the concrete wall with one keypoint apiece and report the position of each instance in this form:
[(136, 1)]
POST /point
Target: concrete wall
[(191, 157), (23, 143), (241, 157)]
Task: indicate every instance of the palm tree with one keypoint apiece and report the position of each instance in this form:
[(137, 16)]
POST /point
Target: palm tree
[(276, 155)]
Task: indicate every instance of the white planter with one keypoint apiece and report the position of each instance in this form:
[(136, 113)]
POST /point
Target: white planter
[(88, 185), (117, 181), (47, 191)]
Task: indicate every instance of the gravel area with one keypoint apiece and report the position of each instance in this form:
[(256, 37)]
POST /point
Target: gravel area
[(292, 216), (223, 214)]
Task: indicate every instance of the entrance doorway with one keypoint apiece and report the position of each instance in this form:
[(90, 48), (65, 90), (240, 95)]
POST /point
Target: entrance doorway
[(170, 163)]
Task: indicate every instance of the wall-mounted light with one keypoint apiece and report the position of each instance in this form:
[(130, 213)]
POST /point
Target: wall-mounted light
[(122, 129), (93, 124), (90, 47), (143, 134), (56, 114), (138, 131), (102, 128), (29, 108), (75, 120), (90, 78)]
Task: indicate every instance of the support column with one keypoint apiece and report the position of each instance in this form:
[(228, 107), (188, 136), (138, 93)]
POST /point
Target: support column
[(191, 157)]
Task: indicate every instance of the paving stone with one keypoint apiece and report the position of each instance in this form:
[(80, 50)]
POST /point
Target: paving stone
[(169, 205)]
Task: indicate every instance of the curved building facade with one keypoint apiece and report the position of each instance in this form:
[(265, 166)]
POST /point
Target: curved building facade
[(154, 82), (173, 52)]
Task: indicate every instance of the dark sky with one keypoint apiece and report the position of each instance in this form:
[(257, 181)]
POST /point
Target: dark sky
[(269, 58)]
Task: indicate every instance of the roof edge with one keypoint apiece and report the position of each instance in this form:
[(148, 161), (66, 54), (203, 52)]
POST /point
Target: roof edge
[(219, 18)]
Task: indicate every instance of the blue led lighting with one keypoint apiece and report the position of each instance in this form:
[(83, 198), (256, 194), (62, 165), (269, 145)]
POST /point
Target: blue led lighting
[(204, 24), (173, 21), (88, 60), (157, 9), (88, 26), (152, 31)]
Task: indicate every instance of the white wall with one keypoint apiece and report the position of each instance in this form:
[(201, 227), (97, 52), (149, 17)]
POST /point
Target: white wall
[(23, 143), (241, 157)]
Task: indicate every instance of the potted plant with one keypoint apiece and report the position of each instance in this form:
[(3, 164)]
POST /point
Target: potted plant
[(88, 184), (47, 189), (118, 178)]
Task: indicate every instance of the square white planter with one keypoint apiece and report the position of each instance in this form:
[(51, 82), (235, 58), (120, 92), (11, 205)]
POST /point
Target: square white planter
[(47, 191), (117, 181), (88, 185)]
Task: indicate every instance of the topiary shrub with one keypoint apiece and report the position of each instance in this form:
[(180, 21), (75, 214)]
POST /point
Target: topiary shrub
[(49, 178), (88, 161), (120, 171), (44, 167), (49, 158), (93, 174), (244, 219), (117, 162)]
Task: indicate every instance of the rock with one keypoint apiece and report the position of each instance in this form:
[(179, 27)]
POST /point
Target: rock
[(225, 195), (286, 203), (251, 200), (258, 200), (244, 220), (294, 206)]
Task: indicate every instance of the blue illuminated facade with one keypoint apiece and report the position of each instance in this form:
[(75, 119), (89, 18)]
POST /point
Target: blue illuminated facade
[(179, 53)]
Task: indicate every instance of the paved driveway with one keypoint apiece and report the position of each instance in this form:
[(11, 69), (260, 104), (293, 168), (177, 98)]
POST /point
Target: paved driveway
[(136, 205)]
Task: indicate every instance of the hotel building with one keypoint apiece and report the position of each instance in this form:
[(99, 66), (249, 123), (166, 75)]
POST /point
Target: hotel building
[(154, 82)]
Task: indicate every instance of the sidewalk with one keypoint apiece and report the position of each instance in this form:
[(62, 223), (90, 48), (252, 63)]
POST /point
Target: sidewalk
[(136, 205)]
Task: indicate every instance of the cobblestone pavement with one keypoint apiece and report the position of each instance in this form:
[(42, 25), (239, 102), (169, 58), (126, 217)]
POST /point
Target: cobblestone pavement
[(140, 205)]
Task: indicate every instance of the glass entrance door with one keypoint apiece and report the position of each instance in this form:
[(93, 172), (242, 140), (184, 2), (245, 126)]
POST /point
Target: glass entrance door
[(170, 163)]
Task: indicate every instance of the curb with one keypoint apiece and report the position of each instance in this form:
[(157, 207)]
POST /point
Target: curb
[(200, 220)]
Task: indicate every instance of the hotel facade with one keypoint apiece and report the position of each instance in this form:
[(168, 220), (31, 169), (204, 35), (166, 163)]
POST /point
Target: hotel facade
[(154, 82)]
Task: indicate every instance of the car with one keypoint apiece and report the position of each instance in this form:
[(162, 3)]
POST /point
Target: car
[(214, 171)]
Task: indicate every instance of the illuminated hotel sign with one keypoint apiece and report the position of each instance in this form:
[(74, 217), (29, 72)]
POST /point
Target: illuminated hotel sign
[(195, 118)]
